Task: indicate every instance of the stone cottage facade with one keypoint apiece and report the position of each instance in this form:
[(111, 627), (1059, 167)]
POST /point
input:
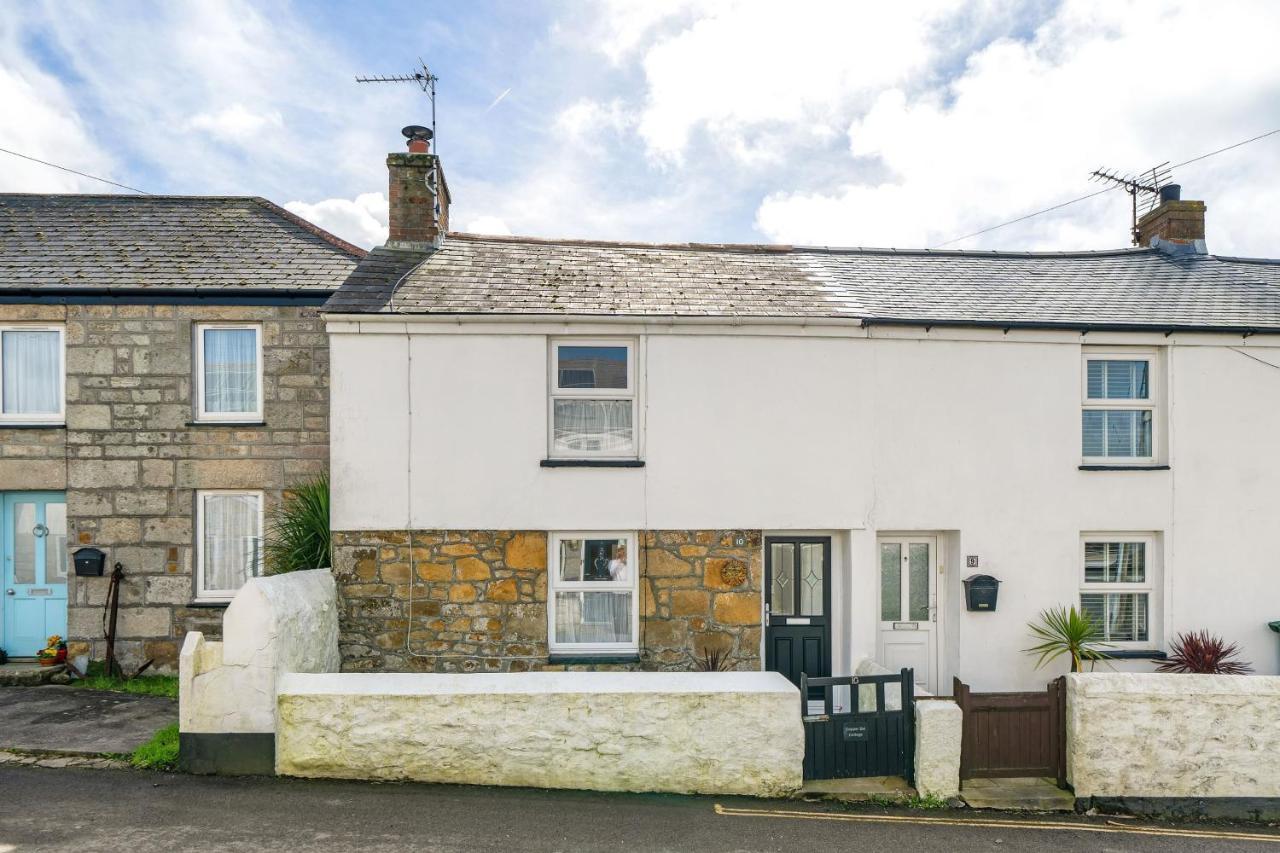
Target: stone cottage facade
[(134, 287)]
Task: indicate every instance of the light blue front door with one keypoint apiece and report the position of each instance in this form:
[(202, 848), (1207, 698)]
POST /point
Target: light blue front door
[(34, 539)]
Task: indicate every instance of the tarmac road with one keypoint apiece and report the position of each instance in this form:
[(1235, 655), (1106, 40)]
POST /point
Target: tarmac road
[(120, 810)]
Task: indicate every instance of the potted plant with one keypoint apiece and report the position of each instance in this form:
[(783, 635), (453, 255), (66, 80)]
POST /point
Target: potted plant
[(298, 535), (1067, 631), (54, 652)]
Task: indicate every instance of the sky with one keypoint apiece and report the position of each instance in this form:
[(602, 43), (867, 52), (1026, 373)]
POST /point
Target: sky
[(815, 123)]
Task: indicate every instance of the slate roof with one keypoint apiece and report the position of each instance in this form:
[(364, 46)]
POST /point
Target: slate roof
[(522, 276), (58, 243)]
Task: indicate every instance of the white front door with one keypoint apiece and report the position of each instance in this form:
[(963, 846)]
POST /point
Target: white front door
[(909, 607)]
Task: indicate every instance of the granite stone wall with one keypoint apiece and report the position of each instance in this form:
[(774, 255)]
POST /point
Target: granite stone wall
[(478, 600), (130, 459)]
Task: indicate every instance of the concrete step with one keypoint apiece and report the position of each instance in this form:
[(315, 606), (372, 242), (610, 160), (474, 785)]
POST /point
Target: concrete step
[(28, 673), (1029, 794)]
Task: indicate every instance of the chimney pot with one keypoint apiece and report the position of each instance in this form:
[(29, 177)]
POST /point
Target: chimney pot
[(418, 138), (1170, 192)]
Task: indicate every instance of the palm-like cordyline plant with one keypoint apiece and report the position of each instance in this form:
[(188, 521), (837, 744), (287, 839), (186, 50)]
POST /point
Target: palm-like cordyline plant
[(1067, 631), (1205, 653), (298, 536)]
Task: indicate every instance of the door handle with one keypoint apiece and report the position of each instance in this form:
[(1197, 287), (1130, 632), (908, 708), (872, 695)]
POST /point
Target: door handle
[(9, 592)]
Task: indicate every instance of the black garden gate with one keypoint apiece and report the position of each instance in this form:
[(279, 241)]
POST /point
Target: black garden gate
[(857, 733)]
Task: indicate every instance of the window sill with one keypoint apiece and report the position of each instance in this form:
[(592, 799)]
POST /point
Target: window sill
[(208, 603), (45, 425), (1135, 654), (592, 463), (1124, 467), (589, 659), (226, 423)]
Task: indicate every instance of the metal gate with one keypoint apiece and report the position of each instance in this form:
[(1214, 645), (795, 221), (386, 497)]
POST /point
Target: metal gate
[(1013, 734), (869, 730)]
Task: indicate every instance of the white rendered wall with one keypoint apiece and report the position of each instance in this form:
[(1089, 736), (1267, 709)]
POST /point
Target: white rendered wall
[(971, 435), (277, 624), (1148, 735), (684, 732)]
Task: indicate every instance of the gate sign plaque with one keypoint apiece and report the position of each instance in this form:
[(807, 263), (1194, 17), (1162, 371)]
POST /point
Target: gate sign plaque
[(856, 731)]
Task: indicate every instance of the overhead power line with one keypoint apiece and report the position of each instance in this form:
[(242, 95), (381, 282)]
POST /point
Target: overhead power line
[(73, 171), (1101, 192)]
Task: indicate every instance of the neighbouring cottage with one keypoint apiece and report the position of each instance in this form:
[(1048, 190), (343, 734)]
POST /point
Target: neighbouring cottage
[(164, 375), (583, 454)]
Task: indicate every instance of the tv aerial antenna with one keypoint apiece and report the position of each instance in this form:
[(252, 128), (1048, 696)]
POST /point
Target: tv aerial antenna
[(423, 78), (1147, 185)]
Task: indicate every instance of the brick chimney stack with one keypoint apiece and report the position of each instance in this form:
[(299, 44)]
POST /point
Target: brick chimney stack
[(1174, 221), (418, 212)]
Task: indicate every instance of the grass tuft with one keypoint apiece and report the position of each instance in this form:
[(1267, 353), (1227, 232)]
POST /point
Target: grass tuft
[(147, 685), (159, 753)]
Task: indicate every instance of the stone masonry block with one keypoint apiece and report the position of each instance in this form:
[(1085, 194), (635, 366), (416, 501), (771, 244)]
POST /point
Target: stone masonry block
[(102, 474), (227, 473)]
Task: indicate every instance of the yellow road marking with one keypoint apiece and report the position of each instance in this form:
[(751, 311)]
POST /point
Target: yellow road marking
[(1108, 828)]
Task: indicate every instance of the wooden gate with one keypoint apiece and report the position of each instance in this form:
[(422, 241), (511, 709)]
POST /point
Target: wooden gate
[(1013, 734), (861, 735)]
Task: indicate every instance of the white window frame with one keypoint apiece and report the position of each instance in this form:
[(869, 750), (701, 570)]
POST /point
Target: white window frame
[(226, 417), (55, 418), (631, 392), (555, 585), (224, 595), (1151, 586), (1151, 404)]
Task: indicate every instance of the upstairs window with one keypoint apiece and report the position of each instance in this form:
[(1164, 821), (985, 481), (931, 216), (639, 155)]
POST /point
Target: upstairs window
[(228, 373), (31, 375), (593, 399), (1119, 408), (1117, 587)]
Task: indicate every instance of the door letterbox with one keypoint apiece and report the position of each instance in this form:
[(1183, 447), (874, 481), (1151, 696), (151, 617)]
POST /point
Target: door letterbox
[(980, 592), (89, 562)]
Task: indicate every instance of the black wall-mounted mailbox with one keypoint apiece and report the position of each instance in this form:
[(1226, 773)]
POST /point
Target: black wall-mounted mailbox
[(90, 562), (980, 592)]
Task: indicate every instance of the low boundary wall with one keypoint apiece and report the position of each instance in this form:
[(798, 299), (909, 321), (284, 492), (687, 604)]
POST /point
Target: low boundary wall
[(1175, 744), (687, 732)]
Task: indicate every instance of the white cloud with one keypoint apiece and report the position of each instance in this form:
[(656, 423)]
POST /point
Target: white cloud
[(751, 75), (1024, 124), (42, 122), (362, 220), (236, 123), (959, 117), (488, 225)]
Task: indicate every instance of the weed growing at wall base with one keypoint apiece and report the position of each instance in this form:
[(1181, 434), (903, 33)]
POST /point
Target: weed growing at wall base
[(159, 753)]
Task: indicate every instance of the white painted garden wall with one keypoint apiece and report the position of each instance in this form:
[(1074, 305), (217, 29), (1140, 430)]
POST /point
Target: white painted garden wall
[(686, 732), (973, 434), (274, 625), (1148, 735)]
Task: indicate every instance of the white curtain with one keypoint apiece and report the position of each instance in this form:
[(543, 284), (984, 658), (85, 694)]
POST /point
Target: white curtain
[(230, 370), (593, 617), (593, 425), (32, 370), (232, 541)]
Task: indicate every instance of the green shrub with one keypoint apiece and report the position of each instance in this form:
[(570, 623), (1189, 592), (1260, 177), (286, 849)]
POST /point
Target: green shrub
[(298, 535), (159, 753), (1070, 632)]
